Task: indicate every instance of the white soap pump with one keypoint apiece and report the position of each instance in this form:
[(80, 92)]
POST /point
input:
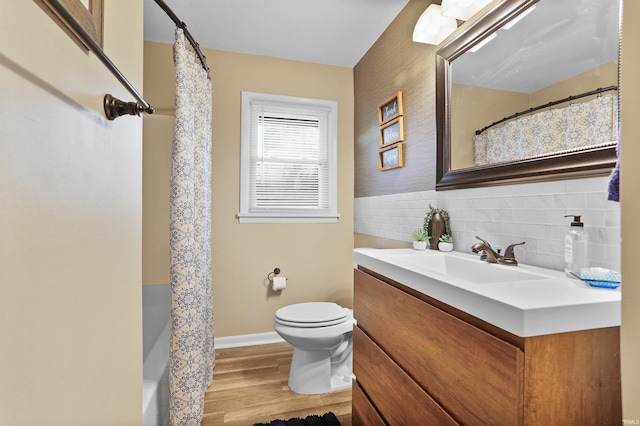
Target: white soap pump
[(575, 248)]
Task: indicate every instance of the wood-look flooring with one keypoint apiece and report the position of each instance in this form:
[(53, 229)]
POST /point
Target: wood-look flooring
[(250, 386)]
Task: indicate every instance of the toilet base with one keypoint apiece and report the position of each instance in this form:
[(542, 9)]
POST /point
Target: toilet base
[(313, 373)]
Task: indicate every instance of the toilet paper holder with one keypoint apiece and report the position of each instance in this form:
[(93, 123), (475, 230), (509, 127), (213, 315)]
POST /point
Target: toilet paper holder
[(272, 274)]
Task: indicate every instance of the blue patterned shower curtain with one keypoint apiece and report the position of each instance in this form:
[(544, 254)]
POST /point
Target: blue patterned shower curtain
[(192, 354), (579, 125)]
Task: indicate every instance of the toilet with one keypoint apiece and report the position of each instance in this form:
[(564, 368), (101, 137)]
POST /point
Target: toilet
[(321, 334)]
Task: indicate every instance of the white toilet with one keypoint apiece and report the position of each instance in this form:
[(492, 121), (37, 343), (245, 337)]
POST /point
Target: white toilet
[(321, 334)]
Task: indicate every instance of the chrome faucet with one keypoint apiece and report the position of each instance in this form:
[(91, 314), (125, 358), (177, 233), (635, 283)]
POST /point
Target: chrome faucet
[(492, 256)]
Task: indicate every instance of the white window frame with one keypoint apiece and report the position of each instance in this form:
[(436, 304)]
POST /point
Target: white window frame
[(252, 214)]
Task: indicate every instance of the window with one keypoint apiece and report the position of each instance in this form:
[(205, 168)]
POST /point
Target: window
[(288, 160)]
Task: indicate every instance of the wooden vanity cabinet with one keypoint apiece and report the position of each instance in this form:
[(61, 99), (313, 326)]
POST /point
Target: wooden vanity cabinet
[(419, 361)]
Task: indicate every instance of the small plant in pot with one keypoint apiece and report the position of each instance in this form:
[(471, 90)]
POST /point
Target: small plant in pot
[(420, 239), (445, 242), (436, 223)]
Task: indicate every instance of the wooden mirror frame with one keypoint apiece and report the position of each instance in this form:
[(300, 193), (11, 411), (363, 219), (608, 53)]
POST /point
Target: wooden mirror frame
[(597, 161)]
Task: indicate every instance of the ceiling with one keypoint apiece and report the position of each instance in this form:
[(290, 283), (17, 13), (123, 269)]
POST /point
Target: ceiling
[(332, 32)]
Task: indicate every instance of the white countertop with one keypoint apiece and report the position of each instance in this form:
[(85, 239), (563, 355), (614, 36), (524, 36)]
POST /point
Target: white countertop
[(554, 303)]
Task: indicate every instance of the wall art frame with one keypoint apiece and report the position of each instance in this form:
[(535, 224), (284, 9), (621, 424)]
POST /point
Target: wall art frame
[(391, 157), (392, 132), (390, 108)]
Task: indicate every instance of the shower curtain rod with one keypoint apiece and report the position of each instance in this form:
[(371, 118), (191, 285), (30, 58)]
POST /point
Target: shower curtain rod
[(183, 26), (560, 101)]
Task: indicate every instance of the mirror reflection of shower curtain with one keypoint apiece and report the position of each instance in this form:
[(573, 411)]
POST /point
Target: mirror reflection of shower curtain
[(563, 129), (192, 354)]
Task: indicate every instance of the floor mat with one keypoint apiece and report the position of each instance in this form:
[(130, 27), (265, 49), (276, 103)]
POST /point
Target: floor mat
[(327, 419)]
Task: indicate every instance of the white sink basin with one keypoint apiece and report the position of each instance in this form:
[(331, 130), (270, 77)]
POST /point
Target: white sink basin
[(524, 300), (472, 270)]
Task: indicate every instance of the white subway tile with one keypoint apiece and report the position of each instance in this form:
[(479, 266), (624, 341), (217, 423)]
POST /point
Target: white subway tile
[(504, 214)]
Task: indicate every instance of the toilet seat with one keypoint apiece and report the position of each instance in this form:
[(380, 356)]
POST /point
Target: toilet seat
[(311, 314)]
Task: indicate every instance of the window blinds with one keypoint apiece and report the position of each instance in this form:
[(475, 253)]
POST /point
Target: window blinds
[(289, 165)]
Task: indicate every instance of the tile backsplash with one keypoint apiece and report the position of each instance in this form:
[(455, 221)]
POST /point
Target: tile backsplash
[(503, 215)]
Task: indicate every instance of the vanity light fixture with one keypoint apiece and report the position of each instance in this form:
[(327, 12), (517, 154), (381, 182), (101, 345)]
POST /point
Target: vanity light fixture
[(432, 27)]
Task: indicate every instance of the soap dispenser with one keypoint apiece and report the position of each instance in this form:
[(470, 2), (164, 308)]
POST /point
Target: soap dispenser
[(575, 247)]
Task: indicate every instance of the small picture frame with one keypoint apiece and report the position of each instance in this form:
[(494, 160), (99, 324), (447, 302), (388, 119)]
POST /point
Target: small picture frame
[(390, 109), (392, 132), (391, 157)]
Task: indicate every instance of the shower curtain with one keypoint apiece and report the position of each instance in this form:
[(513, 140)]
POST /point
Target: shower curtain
[(192, 355), (576, 126)]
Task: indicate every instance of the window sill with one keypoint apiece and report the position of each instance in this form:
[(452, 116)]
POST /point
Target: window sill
[(287, 218)]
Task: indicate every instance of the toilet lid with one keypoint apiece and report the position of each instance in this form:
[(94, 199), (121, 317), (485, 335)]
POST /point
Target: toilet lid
[(312, 314)]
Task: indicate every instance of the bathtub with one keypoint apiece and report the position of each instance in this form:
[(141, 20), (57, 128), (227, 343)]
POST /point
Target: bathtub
[(155, 342)]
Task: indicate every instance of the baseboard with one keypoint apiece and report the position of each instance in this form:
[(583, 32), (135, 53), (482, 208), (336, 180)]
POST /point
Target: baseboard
[(247, 340)]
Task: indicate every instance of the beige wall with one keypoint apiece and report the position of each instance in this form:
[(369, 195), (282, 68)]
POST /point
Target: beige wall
[(315, 258), (158, 132), (70, 224), (467, 117), (630, 203), (602, 76)]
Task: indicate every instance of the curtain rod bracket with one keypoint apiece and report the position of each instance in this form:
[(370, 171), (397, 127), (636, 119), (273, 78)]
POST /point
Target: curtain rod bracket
[(114, 108)]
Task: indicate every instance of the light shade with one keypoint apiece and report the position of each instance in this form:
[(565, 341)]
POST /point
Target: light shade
[(458, 9), (432, 27), (462, 9)]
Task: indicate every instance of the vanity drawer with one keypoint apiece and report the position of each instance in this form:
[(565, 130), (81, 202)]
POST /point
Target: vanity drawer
[(475, 376), (363, 413), (398, 399)]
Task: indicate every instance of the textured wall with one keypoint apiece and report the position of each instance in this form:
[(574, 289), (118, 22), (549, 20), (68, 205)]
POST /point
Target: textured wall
[(395, 63)]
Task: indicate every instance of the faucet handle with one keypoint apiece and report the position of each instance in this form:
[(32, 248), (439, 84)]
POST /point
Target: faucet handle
[(509, 252), (484, 241)]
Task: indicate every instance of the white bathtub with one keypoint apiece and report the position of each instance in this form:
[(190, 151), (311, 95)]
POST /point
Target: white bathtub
[(155, 333)]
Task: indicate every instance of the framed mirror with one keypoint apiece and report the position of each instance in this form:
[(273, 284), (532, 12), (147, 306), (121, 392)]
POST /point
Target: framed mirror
[(527, 91)]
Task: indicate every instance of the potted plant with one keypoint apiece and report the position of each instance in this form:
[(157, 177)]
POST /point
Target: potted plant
[(420, 238), (436, 223), (445, 242)]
